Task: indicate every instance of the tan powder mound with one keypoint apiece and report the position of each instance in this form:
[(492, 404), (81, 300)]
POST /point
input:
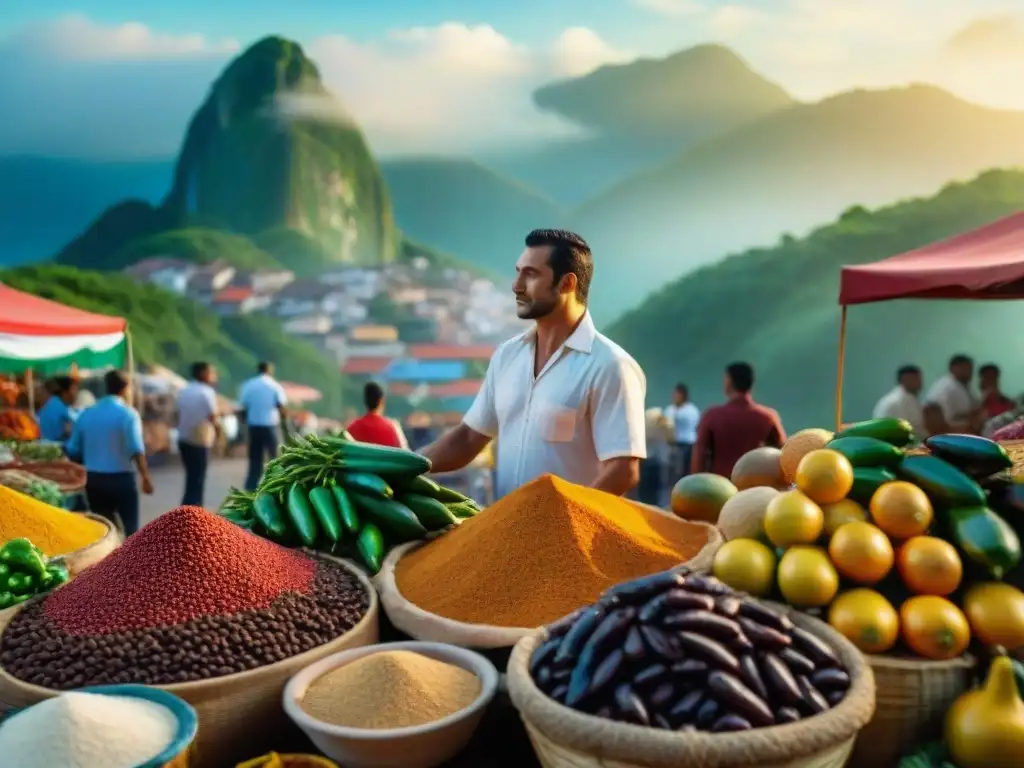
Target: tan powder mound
[(542, 552), (391, 689)]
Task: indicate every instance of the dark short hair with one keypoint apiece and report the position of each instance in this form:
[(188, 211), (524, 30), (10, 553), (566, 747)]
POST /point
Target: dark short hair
[(63, 384), (906, 370), (682, 389), (570, 254), (741, 375), (198, 369), (373, 395), (960, 360), (115, 382), (990, 368), (264, 366)]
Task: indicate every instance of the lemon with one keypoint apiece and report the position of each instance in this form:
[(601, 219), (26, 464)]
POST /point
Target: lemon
[(807, 578), (845, 511), (792, 518), (746, 565)]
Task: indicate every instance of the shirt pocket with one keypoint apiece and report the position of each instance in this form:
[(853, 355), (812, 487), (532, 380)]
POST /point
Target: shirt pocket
[(558, 423)]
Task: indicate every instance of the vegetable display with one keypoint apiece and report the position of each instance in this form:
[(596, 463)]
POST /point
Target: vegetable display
[(346, 497), (900, 549), (26, 572), (32, 485), (36, 451), (18, 425), (682, 651)]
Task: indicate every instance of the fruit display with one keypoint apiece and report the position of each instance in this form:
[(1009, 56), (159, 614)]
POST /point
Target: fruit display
[(701, 496), (901, 549), (682, 651), (761, 467), (26, 572), (18, 425), (346, 497)]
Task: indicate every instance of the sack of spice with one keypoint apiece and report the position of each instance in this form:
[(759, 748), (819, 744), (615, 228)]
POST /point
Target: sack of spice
[(541, 552)]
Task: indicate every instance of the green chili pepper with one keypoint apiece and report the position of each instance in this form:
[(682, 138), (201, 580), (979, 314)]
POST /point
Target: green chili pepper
[(19, 599), (20, 554), (22, 583), (6, 600)]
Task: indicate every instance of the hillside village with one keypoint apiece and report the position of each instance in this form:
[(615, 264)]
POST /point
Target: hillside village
[(424, 331)]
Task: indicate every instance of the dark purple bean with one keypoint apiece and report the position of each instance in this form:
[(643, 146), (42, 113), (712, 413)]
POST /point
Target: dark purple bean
[(661, 696), (634, 647), (830, 680), (727, 606), (660, 721), (708, 585), (751, 676), (630, 705), (639, 590), (561, 626), (764, 638), (762, 614), (662, 644), (741, 644), (543, 678), (813, 700), (559, 693), (834, 697), (787, 715), (731, 723), (611, 628), (709, 711), (703, 623), (651, 675), (605, 672), (714, 653), (580, 632), (674, 599), (543, 655), (780, 680), (798, 663), (650, 610), (691, 670), (685, 710), (814, 648), (734, 695), (561, 675)]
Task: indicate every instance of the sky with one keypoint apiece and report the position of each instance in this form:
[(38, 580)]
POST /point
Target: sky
[(109, 79)]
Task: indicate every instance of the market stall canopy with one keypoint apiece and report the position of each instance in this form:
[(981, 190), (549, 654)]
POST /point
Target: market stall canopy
[(986, 263), (46, 336), (300, 393)]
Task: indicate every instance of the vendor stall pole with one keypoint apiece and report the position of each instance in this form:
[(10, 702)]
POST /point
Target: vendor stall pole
[(30, 390), (129, 362)]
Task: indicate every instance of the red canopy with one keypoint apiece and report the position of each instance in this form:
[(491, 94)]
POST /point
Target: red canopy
[(987, 263), (23, 314)]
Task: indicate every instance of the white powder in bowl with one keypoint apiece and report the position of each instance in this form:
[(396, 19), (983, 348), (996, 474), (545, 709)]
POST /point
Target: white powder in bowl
[(87, 730)]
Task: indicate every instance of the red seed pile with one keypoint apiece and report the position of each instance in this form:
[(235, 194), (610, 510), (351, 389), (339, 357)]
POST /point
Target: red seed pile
[(186, 564)]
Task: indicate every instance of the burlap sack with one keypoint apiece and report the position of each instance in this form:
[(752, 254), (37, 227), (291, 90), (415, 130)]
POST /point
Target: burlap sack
[(422, 625), (240, 715), (565, 738)]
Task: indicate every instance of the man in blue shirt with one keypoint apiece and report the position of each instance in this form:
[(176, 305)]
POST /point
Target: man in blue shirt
[(57, 416), (263, 401), (108, 439)]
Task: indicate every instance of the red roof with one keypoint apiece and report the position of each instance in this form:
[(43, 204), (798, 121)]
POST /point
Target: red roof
[(401, 388), (233, 294), (462, 388), (26, 315), (365, 366), (986, 263), (300, 393), (450, 351)]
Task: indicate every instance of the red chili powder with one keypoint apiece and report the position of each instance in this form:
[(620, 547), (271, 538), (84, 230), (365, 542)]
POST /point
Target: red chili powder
[(186, 564)]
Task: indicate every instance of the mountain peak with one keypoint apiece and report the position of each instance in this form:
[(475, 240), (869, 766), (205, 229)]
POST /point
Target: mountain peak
[(699, 90)]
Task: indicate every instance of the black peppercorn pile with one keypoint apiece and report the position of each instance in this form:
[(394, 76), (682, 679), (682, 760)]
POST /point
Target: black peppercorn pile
[(681, 651), (34, 650)]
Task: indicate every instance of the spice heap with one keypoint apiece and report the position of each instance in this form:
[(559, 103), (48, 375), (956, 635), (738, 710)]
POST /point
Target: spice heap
[(53, 530), (540, 553), (87, 730), (391, 689), (189, 597)]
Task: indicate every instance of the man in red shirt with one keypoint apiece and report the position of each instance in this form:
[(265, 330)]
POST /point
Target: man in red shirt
[(374, 427), (728, 431)]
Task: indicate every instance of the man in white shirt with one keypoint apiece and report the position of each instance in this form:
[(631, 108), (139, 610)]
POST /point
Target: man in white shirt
[(685, 417), (263, 401), (950, 406), (197, 429), (902, 401), (560, 398)]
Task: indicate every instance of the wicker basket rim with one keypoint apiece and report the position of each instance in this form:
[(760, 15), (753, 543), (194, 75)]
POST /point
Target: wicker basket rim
[(461, 628), (238, 677), (782, 744), (966, 661)]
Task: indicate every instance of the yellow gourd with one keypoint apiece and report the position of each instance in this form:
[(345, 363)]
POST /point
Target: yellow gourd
[(985, 727)]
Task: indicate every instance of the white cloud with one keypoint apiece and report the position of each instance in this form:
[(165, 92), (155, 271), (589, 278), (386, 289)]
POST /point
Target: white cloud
[(579, 50), (672, 8)]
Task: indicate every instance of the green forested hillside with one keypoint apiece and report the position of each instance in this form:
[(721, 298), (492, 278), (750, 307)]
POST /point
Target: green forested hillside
[(177, 332), (786, 172), (777, 308)]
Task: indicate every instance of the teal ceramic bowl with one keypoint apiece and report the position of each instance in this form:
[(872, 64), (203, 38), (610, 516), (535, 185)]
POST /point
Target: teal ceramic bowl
[(188, 721)]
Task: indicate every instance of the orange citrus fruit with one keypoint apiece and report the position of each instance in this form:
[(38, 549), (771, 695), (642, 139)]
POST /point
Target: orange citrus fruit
[(806, 578), (901, 509), (929, 565), (792, 518), (996, 614), (844, 511), (934, 628), (824, 476), (866, 619), (861, 552)]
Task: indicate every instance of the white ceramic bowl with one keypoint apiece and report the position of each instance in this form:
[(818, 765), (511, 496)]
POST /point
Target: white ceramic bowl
[(419, 746)]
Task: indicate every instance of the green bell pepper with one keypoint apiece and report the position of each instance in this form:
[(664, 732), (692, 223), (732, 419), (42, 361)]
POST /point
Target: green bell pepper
[(4, 570), (20, 554), (22, 583)]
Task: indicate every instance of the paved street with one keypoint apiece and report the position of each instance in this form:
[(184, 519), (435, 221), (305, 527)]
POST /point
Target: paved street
[(169, 481)]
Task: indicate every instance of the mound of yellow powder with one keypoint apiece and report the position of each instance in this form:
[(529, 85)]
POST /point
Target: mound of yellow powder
[(53, 530)]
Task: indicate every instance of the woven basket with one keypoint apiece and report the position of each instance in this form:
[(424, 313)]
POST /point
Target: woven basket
[(423, 625), (238, 714), (85, 557), (565, 738), (913, 697)]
